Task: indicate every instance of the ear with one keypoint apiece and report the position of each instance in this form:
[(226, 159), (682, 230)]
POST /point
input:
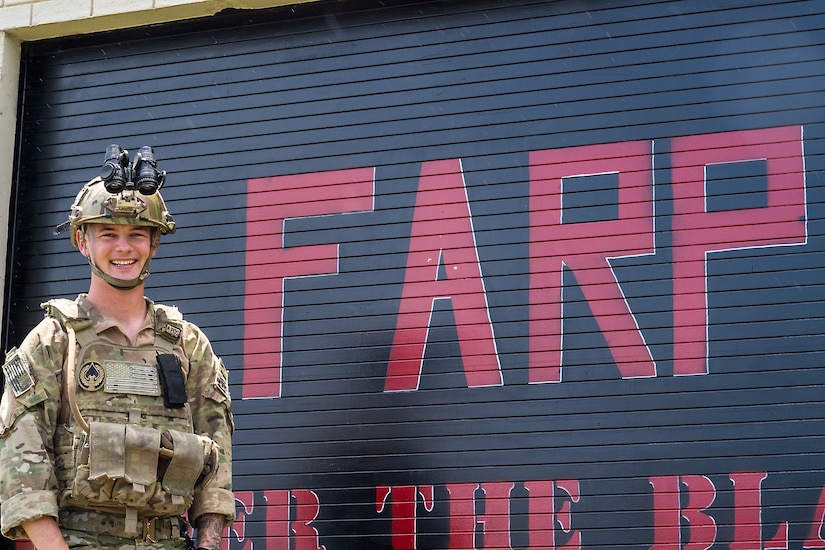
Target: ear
[(155, 241), (82, 246)]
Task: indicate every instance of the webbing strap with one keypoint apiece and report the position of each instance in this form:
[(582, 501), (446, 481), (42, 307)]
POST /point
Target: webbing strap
[(77, 330), (71, 382)]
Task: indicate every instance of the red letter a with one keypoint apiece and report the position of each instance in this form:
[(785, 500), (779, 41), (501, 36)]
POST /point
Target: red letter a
[(443, 263)]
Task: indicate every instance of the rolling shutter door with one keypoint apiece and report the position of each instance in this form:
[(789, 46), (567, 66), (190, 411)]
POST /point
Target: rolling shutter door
[(460, 263)]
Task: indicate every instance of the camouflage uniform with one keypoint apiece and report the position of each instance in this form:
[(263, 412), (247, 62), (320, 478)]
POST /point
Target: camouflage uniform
[(41, 443)]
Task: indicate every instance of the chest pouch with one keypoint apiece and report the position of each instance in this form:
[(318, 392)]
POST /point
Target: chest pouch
[(193, 461), (124, 451), (172, 381)]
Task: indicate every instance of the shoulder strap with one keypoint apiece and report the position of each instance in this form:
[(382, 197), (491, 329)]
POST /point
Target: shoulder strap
[(62, 309), (68, 313), (79, 329), (168, 326)]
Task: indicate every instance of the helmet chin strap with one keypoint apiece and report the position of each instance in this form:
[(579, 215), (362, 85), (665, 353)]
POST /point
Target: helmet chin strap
[(121, 284)]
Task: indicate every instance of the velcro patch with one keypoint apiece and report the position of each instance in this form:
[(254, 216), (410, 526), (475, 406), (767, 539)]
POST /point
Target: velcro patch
[(221, 381), (169, 331), (131, 378), (91, 376), (18, 373)]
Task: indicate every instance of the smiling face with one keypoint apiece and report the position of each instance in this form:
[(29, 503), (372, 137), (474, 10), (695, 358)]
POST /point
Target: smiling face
[(120, 251)]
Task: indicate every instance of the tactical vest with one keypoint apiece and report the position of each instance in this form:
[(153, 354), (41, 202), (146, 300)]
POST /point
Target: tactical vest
[(111, 455)]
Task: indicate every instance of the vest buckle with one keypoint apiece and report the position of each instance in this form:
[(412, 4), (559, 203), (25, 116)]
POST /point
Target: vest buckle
[(149, 534)]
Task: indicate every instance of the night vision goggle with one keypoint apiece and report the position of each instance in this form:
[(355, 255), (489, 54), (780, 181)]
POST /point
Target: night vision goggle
[(142, 174), (124, 189)]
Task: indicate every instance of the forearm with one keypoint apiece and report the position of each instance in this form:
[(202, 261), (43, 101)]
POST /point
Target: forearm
[(44, 533), (210, 529)]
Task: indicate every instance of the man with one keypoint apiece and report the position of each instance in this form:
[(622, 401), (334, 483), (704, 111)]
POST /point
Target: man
[(116, 419)]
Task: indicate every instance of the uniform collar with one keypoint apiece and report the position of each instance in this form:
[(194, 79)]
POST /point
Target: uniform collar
[(102, 324)]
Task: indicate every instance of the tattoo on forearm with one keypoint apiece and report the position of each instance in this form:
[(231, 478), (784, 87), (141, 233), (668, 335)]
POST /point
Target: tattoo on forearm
[(210, 530)]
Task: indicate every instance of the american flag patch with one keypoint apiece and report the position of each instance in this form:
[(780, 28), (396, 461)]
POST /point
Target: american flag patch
[(18, 373), (221, 381)]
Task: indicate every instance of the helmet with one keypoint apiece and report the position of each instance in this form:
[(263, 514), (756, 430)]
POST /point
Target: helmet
[(124, 194), (95, 204)]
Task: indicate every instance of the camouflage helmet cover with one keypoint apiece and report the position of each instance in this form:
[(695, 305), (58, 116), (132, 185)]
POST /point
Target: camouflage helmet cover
[(95, 204)]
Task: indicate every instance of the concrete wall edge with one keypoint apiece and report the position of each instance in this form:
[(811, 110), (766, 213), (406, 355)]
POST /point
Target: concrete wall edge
[(10, 49)]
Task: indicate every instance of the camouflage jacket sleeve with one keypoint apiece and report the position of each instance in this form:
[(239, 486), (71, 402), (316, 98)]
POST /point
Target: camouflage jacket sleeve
[(208, 390), (28, 419)]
